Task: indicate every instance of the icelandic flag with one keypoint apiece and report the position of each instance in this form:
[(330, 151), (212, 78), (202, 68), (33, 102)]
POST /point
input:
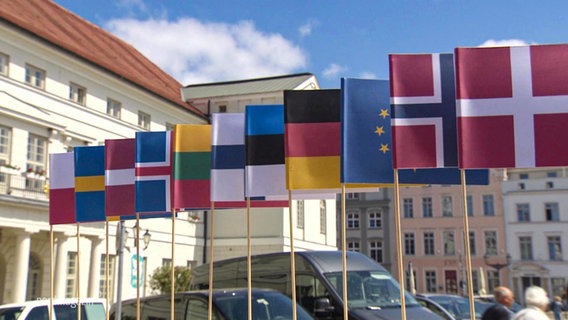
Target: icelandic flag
[(90, 183), (512, 106), (366, 151), (153, 172), (423, 111), (62, 188), (120, 155)]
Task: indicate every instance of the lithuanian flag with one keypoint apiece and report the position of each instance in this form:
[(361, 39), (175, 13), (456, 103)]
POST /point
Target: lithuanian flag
[(192, 166)]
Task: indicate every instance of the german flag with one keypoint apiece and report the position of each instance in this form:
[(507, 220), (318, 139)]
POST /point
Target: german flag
[(312, 139)]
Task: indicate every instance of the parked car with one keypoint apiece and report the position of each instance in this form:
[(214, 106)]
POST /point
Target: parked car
[(457, 306), (63, 309), (372, 292), (434, 307), (516, 307), (231, 304)]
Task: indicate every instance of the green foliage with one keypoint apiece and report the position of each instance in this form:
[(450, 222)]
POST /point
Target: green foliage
[(160, 280)]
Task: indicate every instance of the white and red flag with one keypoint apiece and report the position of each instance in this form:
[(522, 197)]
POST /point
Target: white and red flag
[(512, 106), (120, 155)]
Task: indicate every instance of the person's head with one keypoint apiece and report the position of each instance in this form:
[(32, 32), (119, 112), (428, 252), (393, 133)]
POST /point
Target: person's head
[(536, 297), (504, 296), (557, 298)]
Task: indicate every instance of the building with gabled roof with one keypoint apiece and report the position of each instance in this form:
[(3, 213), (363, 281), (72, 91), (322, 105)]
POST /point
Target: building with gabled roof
[(65, 82)]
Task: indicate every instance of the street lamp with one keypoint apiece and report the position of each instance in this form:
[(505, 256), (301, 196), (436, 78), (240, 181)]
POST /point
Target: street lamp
[(498, 266)]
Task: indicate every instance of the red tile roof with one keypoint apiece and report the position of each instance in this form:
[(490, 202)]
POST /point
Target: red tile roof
[(64, 29)]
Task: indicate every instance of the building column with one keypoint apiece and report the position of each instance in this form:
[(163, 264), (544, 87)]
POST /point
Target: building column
[(60, 273), (22, 260), (95, 267)]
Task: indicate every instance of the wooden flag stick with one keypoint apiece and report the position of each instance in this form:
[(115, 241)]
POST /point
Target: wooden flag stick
[(78, 273), (107, 280), (51, 271), (398, 235), (466, 246), (173, 271), (344, 253), (210, 312), (292, 257), (137, 243), (249, 263)]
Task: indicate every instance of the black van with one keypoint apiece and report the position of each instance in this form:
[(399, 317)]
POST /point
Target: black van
[(230, 304), (372, 293)]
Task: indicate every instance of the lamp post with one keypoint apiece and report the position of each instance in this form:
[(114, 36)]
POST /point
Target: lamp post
[(498, 266), (122, 237)]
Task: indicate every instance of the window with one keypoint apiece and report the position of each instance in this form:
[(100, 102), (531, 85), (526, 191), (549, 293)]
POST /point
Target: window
[(70, 285), (474, 281), (409, 244), (352, 196), (490, 243), (552, 174), (430, 277), (376, 251), (222, 108), (36, 160), (166, 262), (408, 207), (492, 278), (144, 120), (5, 143), (429, 244), (113, 108), (472, 246), (554, 248), (447, 210), (427, 207), (525, 244), (449, 243), (523, 176), (551, 211), (77, 93), (323, 216), (353, 246), (35, 76), (111, 272), (353, 220), (488, 205), (4, 63), (469, 204), (523, 212), (549, 185), (300, 214), (558, 286), (376, 219)]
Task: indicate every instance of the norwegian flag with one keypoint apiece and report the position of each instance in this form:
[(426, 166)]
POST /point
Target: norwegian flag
[(423, 110), (512, 106), (153, 169)]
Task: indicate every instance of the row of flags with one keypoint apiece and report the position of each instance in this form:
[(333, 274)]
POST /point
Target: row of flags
[(475, 109)]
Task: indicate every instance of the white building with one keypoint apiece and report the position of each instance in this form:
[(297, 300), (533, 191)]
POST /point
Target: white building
[(536, 213), (65, 82), (314, 222)]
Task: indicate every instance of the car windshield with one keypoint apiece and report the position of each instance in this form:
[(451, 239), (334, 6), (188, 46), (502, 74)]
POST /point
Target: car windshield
[(265, 305), (459, 306), (10, 313), (369, 289)]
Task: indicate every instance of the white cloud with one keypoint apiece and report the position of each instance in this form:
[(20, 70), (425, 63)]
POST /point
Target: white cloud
[(367, 75), (504, 43), (193, 51), (333, 70), (132, 7), (306, 29)]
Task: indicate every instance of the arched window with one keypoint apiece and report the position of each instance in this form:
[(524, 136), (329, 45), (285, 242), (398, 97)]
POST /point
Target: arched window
[(34, 278)]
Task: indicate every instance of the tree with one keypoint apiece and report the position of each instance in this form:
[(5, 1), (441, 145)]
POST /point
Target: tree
[(160, 280)]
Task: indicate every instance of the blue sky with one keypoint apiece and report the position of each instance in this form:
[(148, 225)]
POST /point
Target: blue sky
[(205, 41)]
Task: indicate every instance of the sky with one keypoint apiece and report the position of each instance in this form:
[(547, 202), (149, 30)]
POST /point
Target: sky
[(202, 41)]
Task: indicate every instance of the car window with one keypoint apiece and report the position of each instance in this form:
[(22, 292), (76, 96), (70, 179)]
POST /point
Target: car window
[(92, 311), (198, 310), (38, 313), (10, 313)]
